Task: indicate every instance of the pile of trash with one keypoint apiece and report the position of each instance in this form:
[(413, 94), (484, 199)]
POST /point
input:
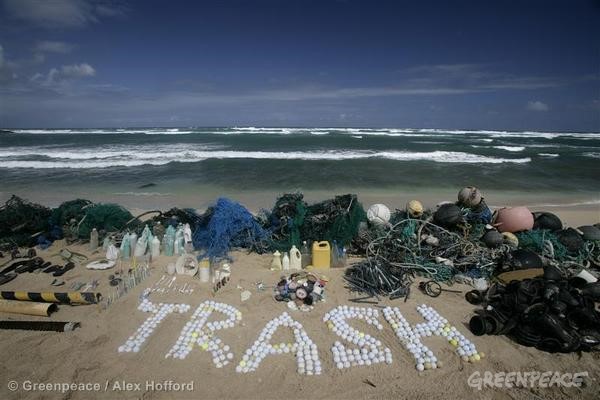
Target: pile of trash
[(301, 290), (464, 242), (551, 312), (21, 222), (292, 220)]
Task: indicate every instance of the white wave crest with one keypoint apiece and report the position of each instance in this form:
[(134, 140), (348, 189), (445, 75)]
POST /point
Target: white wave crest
[(98, 158), (548, 154)]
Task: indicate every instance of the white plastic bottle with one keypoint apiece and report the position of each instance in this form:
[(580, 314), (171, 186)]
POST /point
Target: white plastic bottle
[(295, 258), (155, 248), (93, 240), (285, 263), (133, 237)]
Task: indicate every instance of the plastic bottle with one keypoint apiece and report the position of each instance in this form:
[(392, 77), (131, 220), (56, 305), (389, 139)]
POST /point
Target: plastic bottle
[(306, 255), (188, 247), (334, 254), (155, 248), (295, 258), (159, 231), (276, 263), (93, 240), (133, 237), (178, 245), (143, 242), (125, 248), (285, 263), (204, 268), (169, 241)]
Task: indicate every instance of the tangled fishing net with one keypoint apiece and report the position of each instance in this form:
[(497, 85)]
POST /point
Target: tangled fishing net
[(292, 220), (107, 218), (419, 247), (228, 225), (65, 218), (20, 221)]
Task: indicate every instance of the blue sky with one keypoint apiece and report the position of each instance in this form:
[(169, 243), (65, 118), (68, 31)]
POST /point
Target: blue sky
[(518, 65)]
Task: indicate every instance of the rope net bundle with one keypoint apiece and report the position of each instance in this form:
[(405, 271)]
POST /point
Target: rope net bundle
[(228, 225)]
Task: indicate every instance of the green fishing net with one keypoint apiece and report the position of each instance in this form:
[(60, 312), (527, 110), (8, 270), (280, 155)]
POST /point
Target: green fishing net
[(292, 220), (69, 211), (19, 220), (534, 240), (107, 218)]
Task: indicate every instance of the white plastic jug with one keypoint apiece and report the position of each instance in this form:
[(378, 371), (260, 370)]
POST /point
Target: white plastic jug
[(276, 263), (295, 258)]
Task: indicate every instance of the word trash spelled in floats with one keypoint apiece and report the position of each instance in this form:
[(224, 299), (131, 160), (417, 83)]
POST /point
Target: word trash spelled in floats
[(353, 347)]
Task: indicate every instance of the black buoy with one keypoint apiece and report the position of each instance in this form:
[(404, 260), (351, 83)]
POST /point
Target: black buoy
[(448, 215), (493, 239), (546, 220), (590, 232), (571, 239), (525, 259), (552, 273)]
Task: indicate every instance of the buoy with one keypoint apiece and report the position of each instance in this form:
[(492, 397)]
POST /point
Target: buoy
[(525, 259), (469, 197), (447, 215), (546, 220), (414, 208), (513, 219), (510, 239), (492, 239), (378, 214), (590, 232), (571, 239)]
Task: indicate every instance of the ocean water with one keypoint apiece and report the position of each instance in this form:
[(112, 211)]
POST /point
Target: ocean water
[(161, 161)]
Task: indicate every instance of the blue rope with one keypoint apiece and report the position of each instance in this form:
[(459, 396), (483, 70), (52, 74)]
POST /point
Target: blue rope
[(230, 226)]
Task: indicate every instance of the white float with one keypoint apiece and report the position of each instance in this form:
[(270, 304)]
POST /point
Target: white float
[(410, 336), (370, 351), (198, 331), (159, 312), (307, 356)]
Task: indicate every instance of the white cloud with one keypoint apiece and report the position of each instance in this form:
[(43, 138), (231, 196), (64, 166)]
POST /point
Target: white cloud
[(78, 70), (63, 74), (61, 13), (537, 106), (48, 46)]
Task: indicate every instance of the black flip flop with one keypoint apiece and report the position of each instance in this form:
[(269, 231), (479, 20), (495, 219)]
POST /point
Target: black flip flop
[(68, 266), (7, 277)]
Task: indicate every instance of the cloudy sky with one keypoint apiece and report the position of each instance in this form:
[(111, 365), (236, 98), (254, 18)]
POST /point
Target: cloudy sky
[(518, 65)]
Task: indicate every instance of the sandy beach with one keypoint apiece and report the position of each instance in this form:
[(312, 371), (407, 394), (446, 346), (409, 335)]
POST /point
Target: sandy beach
[(89, 354)]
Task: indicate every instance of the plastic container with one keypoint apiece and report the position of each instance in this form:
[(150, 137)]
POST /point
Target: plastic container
[(276, 263), (93, 240), (155, 248), (321, 255), (285, 262), (306, 255), (295, 258), (125, 249), (159, 231), (133, 237), (204, 269)]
